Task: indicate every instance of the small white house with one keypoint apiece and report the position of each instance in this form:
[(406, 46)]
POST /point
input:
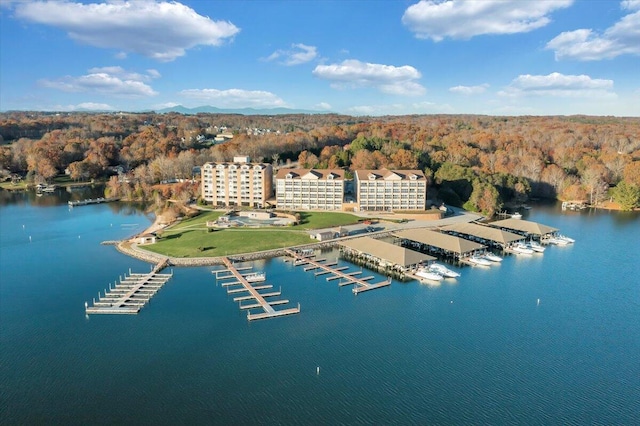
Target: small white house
[(324, 236), (147, 239)]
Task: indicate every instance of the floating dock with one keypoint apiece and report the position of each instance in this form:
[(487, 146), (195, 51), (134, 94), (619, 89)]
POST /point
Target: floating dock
[(361, 284), (253, 294), (130, 294), (92, 201)]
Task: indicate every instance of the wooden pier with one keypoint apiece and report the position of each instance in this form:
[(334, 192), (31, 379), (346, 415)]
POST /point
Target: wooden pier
[(361, 284), (92, 201), (130, 294), (254, 295)]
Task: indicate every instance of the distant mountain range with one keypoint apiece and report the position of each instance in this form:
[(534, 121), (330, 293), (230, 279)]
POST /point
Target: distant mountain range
[(243, 111)]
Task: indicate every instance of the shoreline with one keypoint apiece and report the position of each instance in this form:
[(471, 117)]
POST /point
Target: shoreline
[(132, 249)]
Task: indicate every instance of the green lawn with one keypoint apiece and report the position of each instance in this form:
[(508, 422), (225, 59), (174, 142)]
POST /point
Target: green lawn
[(190, 237), (317, 220), (200, 243)]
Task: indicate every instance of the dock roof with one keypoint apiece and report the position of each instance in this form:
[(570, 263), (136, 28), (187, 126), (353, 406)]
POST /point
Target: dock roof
[(440, 240), (485, 232), (386, 251), (527, 226)]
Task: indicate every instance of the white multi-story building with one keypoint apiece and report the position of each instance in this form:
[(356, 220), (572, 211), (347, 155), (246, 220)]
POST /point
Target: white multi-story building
[(391, 189), (239, 183), (310, 189)]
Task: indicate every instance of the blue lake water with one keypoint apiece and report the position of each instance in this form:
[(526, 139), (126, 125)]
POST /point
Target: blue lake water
[(479, 350)]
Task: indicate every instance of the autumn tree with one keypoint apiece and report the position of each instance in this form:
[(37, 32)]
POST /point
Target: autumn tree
[(404, 159), (484, 198), (631, 173), (627, 195)]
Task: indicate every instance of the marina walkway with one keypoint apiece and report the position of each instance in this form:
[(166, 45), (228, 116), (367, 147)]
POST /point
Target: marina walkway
[(130, 294), (361, 284), (261, 302)]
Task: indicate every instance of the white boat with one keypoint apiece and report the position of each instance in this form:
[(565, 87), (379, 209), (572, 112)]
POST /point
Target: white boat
[(492, 257), (41, 187), (255, 277), (535, 246), (443, 270), (428, 275), (567, 239), (558, 241), (516, 215), (478, 260), (521, 249)]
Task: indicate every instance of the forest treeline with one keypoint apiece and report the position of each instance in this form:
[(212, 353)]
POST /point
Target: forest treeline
[(479, 162)]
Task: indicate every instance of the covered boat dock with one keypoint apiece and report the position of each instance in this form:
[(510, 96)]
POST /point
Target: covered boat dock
[(484, 234), (427, 240), (384, 253), (526, 228)]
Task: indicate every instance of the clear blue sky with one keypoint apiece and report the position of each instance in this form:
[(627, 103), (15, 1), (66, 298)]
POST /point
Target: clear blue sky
[(363, 57)]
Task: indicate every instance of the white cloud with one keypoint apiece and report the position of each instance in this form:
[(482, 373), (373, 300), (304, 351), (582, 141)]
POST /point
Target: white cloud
[(108, 81), (559, 85), (587, 45), (323, 105), (386, 78), (165, 105), (85, 106), (93, 106), (159, 30), (469, 90), (153, 73), (401, 109), (235, 98), (463, 19), (299, 54)]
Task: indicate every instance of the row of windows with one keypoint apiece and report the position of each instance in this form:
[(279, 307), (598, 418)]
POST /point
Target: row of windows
[(406, 183), (336, 199)]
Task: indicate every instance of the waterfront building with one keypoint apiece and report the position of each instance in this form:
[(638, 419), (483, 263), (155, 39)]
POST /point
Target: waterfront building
[(237, 183), (388, 190), (310, 189)]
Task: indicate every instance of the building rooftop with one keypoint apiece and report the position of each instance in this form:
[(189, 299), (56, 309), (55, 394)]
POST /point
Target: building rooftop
[(311, 174), (485, 232), (387, 251), (437, 239), (390, 175), (527, 226)]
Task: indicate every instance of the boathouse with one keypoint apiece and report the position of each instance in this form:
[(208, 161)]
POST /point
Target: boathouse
[(483, 234), (384, 253), (438, 243), (525, 227)]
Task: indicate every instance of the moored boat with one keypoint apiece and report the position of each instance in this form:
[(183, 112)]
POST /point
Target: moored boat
[(516, 215), (567, 239), (558, 241), (428, 275), (492, 257), (478, 260), (535, 246), (521, 249), (255, 277), (443, 270)]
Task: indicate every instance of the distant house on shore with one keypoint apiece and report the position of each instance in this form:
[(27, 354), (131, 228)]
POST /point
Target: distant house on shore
[(324, 236), (147, 239)]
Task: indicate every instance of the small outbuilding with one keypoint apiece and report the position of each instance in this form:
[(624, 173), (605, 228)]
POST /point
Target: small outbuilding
[(324, 236), (147, 239)]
